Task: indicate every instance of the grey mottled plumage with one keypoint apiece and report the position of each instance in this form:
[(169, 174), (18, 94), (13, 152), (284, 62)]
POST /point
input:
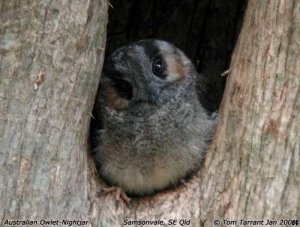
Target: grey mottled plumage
[(155, 131)]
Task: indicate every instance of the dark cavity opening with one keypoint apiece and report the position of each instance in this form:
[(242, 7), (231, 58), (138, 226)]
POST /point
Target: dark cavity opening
[(206, 30)]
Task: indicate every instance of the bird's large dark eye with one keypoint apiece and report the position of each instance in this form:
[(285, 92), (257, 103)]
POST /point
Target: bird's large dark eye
[(158, 67)]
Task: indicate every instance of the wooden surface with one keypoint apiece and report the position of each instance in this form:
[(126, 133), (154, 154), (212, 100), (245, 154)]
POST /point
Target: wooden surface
[(51, 55)]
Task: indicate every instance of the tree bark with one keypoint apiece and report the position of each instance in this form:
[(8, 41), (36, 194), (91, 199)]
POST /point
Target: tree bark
[(49, 68), (51, 55)]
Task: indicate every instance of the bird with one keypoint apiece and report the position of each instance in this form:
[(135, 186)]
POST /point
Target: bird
[(154, 130)]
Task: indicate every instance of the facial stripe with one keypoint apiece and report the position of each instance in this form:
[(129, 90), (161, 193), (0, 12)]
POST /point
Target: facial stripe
[(175, 68)]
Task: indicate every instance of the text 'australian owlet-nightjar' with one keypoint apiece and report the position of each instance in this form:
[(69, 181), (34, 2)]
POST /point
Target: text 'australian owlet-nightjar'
[(155, 130)]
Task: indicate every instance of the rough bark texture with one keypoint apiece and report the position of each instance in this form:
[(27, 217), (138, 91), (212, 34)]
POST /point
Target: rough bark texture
[(257, 147), (50, 69), (51, 55)]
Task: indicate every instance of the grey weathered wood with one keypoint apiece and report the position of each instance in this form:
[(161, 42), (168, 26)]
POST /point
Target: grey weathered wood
[(51, 55)]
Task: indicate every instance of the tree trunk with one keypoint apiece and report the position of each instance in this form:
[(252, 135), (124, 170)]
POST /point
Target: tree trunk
[(49, 69), (51, 55)]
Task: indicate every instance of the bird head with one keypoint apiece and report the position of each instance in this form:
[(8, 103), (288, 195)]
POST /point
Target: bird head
[(147, 73)]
